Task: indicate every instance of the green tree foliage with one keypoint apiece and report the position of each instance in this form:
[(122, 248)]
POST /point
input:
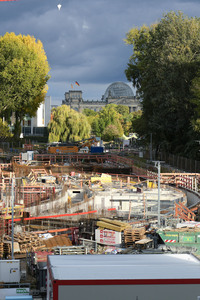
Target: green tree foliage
[(137, 125), (23, 76), (196, 117), (107, 116), (163, 67), (89, 112), (124, 117), (110, 133), (4, 130), (123, 110), (68, 125), (91, 115)]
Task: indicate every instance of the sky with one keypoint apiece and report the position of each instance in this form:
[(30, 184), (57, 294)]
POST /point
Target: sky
[(84, 40)]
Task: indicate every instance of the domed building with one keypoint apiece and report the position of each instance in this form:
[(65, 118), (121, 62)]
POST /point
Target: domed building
[(118, 90), (116, 93)]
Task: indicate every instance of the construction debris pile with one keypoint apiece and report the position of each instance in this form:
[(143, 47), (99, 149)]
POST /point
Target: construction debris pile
[(130, 236), (23, 243), (58, 240)]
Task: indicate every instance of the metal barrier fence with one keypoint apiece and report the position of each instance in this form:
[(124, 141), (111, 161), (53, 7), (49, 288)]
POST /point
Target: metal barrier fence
[(179, 162)]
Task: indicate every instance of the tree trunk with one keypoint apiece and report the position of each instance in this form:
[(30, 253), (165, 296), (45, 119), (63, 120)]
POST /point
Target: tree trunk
[(17, 126)]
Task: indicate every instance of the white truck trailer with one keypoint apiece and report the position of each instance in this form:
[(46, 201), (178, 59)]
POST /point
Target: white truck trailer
[(117, 277)]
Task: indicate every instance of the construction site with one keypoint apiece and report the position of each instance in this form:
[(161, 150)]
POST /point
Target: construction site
[(87, 203)]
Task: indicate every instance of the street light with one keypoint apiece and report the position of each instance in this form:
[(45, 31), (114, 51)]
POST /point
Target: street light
[(157, 165), (13, 200), (13, 204), (150, 150)]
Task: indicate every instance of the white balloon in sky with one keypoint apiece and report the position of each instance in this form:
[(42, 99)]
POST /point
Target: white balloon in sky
[(59, 6)]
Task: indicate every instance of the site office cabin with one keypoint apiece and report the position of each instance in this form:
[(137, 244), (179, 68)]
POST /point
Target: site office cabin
[(116, 277)]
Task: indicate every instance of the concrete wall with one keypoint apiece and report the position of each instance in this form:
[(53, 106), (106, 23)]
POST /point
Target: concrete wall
[(193, 198), (76, 200)]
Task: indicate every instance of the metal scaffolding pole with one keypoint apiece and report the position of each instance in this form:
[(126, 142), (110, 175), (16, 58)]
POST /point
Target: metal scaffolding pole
[(150, 148), (13, 202), (157, 165)]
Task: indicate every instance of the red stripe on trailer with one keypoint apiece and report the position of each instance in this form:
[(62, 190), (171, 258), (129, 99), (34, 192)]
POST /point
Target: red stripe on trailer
[(127, 281)]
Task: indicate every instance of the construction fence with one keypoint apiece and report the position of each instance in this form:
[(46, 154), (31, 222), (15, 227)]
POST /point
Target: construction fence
[(180, 162)]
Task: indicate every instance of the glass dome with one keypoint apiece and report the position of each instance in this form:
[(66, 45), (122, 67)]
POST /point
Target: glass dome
[(117, 90)]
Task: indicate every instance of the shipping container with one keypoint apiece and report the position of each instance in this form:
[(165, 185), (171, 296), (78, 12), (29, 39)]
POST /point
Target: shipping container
[(117, 277), (181, 238), (96, 149), (9, 271)]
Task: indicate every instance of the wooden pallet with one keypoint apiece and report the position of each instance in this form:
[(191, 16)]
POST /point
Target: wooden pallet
[(26, 241), (132, 235)]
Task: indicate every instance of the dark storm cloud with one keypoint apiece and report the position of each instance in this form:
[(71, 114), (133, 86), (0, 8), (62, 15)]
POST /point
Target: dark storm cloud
[(84, 40)]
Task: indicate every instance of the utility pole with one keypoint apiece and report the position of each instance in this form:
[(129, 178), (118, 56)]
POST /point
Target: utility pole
[(150, 150), (13, 201), (157, 165)]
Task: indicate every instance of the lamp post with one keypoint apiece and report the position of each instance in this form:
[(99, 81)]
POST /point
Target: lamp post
[(150, 150), (157, 165), (13, 201), (13, 205)]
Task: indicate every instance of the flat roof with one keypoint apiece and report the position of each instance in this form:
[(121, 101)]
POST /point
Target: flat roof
[(136, 266)]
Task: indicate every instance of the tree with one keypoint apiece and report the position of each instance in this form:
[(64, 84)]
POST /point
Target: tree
[(89, 112), (123, 110), (164, 64), (91, 115), (107, 116), (23, 76), (4, 130), (124, 117), (196, 92), (68, 125), (111, 133), (137, 125)]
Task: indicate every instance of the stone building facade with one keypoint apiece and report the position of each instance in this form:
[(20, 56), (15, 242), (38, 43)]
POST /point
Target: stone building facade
[(116, 93)]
